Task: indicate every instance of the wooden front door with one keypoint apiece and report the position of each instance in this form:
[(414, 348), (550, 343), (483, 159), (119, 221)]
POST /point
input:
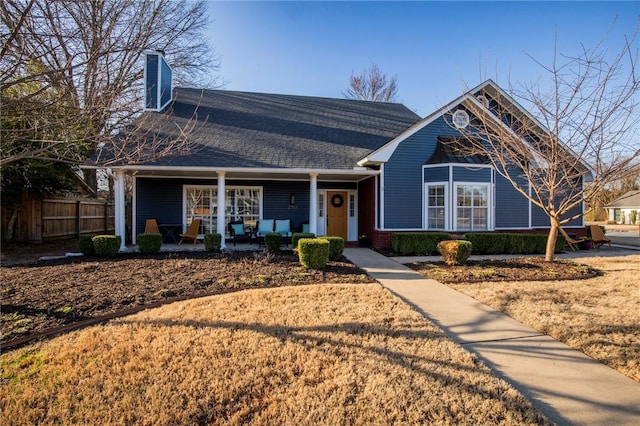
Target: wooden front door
[(337, 205)]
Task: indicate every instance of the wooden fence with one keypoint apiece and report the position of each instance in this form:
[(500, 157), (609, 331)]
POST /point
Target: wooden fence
[(40, 220)]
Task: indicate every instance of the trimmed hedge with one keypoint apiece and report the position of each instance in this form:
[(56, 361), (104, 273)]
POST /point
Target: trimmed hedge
[(417, 243), (106, 245), (272, 241), (313, 253), (455, 252), (149, 243), (336, 247), (85, 245), (506, 243), (297, 236), (212, 242)]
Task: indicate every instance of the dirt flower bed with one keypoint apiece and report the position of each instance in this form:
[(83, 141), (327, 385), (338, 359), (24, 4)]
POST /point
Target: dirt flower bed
[(52, 294), (518, 269)]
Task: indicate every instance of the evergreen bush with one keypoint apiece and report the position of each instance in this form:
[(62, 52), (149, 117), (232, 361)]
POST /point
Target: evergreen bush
[(455, 252), (299, 235), (336, 247), (149, 243), (417, 243), (313, 253), (106, 245), (212, 242), (272, 241), (85, 245)]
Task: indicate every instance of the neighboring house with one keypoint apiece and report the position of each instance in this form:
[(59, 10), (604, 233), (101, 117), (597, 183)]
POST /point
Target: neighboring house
[(345, 167), (620, 210)]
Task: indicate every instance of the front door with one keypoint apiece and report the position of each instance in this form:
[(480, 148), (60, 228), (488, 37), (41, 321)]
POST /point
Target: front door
[(337, 213)]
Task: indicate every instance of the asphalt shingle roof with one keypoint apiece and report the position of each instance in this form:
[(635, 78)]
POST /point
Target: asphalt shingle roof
[(630, 199), (241, 129)]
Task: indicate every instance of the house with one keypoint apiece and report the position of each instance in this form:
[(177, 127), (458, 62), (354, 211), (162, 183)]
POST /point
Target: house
[(620, 211), (345, 167)]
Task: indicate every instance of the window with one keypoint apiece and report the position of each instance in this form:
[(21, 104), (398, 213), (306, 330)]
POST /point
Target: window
[(320, 204), (472, 207), (352, 205), (241, 203), (436, 207)]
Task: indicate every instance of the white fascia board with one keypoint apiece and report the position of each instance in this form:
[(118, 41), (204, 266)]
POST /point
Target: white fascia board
[(354, 172)]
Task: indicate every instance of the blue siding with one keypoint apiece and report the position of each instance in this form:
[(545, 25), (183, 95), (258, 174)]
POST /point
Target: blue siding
[(512, 208), (275, 201), (151, 88), (159, 199), (403, 185), (436, 174), (471, 174)]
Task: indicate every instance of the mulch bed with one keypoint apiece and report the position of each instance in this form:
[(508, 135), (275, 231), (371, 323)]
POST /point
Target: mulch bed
[(56, 294), (517, 269)]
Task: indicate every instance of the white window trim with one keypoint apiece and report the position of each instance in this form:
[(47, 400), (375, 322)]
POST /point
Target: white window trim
[(227, 188), (447, 203), (454, 206)]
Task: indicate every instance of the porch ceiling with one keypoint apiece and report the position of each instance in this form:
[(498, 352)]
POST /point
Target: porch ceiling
[(254, 174)]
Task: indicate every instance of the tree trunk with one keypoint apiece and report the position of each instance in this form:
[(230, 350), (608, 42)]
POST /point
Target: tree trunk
[(551, 240), (12, 223)]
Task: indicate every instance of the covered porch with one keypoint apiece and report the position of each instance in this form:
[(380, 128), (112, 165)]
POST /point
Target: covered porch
[(323, 201)]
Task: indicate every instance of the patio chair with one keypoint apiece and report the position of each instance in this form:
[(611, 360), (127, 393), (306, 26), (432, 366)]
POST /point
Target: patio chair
[(238, 232), (192, 232), (597, 236), (151, 227), (283, 227), (572, 243), (263, 227)]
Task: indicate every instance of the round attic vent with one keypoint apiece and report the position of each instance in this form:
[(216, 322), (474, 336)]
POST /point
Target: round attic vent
[(483, 100), (460, 119)]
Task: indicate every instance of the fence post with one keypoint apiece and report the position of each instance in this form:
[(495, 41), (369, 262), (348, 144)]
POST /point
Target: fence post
[(106, 217), (78, 220)]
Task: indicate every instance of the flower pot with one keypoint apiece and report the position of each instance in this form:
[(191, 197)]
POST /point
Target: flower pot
[(585, 245)]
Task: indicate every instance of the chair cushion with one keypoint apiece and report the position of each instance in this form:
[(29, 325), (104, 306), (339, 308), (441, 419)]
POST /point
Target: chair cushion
[(283, 226), (238, 229), (305, 228), (265, 226)]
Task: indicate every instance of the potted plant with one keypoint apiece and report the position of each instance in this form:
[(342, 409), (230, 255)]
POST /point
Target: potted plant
[(363, 241), (585, 244)]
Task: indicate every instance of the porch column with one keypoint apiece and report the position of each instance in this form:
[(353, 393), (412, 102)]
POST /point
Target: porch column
[(222, 194), (313, 204), (118, 199)]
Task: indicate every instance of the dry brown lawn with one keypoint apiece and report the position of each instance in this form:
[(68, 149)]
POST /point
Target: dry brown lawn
[(598, 316), (319, 354)]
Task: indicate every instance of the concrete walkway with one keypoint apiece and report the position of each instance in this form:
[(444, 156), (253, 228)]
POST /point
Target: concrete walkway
[(564, 384)]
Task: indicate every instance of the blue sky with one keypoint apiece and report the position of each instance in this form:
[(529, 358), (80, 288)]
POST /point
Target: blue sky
[(435, 49)]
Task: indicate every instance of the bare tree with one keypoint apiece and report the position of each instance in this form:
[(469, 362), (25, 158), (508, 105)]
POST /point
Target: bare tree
[(372, 85), (71, 74), (577, 139)]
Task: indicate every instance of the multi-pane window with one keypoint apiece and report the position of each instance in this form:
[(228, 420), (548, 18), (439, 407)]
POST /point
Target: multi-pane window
[(352, 205), (321, 205), (241, 203), (472, 207), (436, 207)]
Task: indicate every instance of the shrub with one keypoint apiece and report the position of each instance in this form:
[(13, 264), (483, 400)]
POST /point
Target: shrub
[(506, 243), (273, 240), (313, 253), (634, 216), (299, 235), (336, 247), (106, 245), (417, 243), (487, 242), (455, 252), (149, 243), (85, 244), (212, 242)]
